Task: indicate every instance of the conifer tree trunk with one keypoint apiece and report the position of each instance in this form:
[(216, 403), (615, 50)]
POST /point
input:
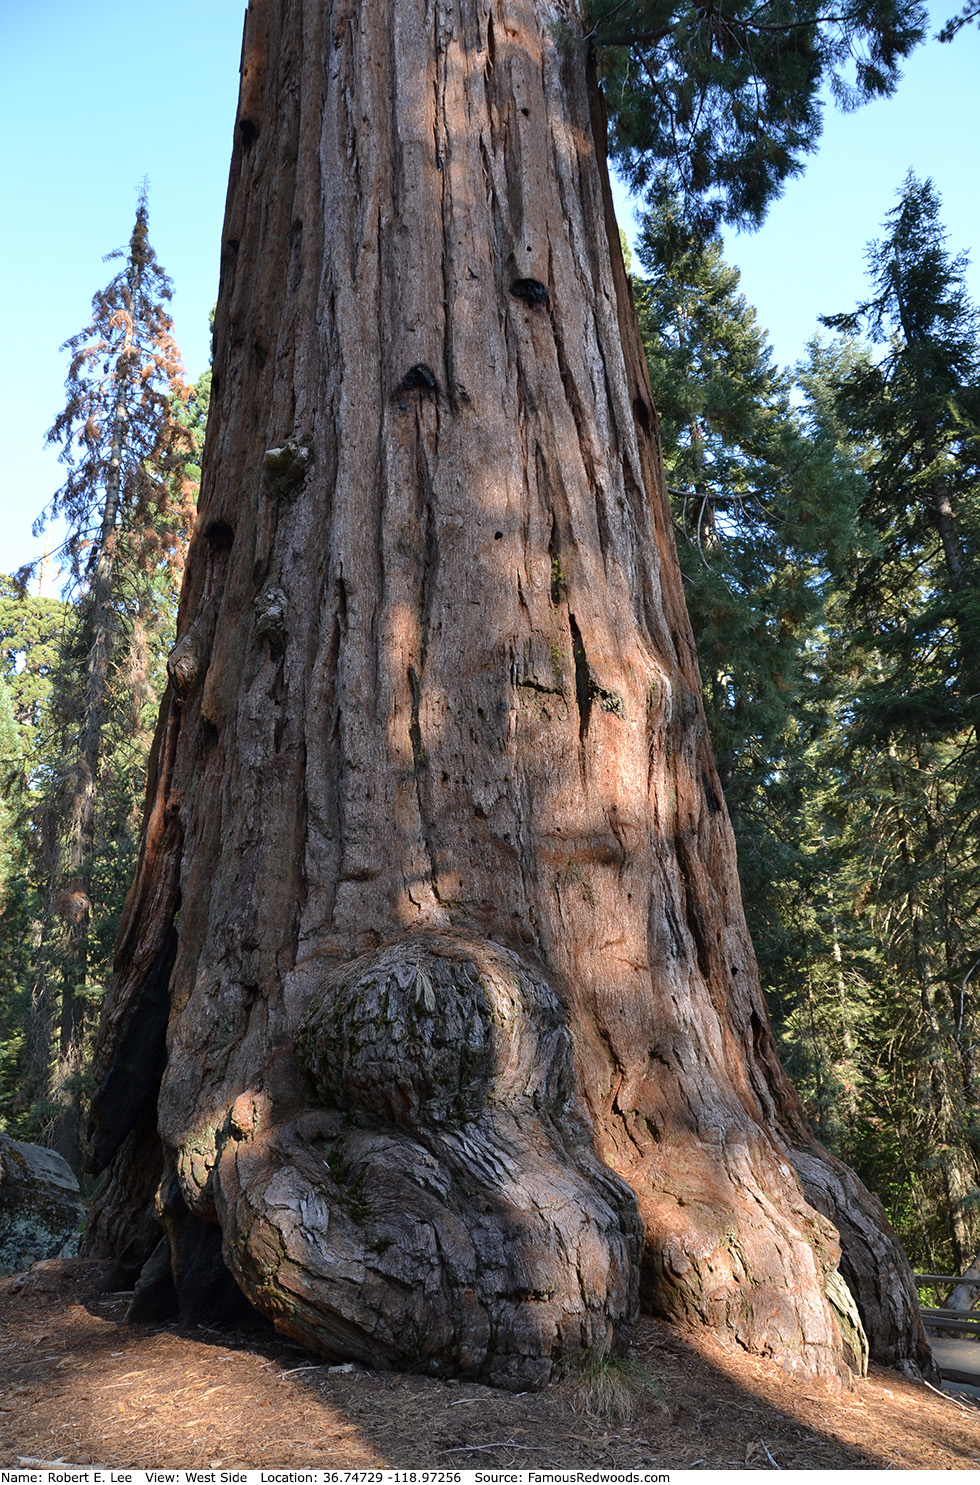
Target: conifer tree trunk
[(466, 1046)]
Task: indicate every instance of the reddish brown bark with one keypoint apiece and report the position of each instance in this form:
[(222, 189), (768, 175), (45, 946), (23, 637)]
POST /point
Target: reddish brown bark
[(462, 981)]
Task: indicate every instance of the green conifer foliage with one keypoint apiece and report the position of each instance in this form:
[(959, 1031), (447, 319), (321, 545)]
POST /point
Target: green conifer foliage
[(952, 27), (765, 510), (15, 924), (11, 787), (899, 807), (31, 631), (128, 503), (915, 407), (831, 590), (718, 104)]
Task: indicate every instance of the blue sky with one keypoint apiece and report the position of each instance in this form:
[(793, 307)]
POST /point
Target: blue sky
[(94, 96)]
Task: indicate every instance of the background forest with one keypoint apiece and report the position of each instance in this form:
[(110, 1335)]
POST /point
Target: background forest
[(827, 517), (827, 520)]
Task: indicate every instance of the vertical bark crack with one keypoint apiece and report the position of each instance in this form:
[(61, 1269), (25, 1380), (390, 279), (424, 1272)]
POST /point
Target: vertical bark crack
[(583, 680), (418, 770), (443, 152), (414, 729), (557, 577)]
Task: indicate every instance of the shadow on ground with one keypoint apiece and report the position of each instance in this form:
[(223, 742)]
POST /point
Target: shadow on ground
[(79, 1386)]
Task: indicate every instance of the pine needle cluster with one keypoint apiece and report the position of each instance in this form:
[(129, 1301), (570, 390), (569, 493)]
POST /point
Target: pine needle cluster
[(717, 105)]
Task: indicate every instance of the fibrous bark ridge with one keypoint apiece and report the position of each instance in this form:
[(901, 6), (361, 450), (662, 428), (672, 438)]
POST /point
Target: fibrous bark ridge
[(436, 1202)]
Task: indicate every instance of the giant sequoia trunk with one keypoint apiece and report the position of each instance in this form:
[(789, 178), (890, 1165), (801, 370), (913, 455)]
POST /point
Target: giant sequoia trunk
[(466, 1050)]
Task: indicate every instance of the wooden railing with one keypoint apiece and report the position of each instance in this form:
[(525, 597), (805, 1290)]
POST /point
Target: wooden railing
[(936, 1319), (964, 1322)]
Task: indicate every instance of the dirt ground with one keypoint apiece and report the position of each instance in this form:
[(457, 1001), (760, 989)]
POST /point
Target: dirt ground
[(78, 1386)]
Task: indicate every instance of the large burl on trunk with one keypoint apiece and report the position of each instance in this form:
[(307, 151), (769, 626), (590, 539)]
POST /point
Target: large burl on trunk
[(466, 1052)]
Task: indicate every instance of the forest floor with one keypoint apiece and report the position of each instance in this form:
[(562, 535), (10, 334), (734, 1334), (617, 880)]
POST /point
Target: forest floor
[(79, 1386)]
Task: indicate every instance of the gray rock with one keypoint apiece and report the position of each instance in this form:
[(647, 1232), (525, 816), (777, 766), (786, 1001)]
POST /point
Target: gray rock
[(40, 1207)]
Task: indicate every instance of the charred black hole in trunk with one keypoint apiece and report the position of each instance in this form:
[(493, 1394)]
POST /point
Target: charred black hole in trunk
[(531, 292), (140, 1055), (419, 378), (642, 415), (155, 1295), (491, 43), (206, 1292), (219, 535), (583, 679), (247, 131), (209, 733), (261, 354), (414, 730), (714, 803)]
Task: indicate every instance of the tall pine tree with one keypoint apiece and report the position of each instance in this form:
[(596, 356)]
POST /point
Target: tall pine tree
[(819, 541), (902, 800), (764, 509), (915, 404), (127, 501)]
